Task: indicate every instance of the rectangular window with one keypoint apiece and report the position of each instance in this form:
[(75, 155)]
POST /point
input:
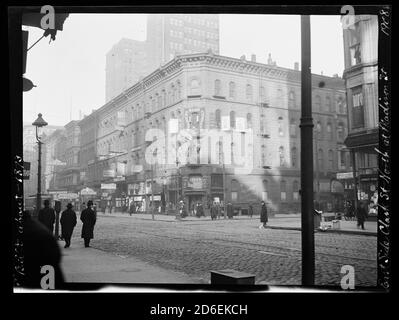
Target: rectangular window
[(283, 195), (264, 196), (234, 195), (295, 195), (357, 108)]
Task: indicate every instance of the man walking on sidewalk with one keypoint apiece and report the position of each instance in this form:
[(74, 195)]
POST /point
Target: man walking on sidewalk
[(68, 223), (47, 216), (263, 215), (88, 218), (361, 215)]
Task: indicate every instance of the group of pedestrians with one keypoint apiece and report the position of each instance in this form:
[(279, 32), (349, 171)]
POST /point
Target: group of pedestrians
[(68, 221)]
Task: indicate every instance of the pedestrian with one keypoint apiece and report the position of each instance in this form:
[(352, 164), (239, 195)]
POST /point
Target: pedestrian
[(182, 209), (132, 208), (47, 216), (230, 210), (214, 211), (263, 215), (361, 215), (68, 223), (88, 218), (200, 210), (40, 249), (250, 210)]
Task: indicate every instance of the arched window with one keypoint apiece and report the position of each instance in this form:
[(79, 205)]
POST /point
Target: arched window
[(232, 90), (330, 160), (249, 120), (341, 108), (317, 102), (172, 93), (218, 119), (262, 94), (218, 87), (263, 155), (294, 157), (329, 106), (232, 120), (293, 128), (248, 92), (320, 159), (329, 131), (340, 131), (318, 130), (235, 187), (283, 190), (194, 87), (281, 156), (219, 150), (264, 191), (291, 99), (295, 190), (280, 127)]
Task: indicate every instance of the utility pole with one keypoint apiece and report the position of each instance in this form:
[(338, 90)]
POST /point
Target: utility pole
[(307, 207)]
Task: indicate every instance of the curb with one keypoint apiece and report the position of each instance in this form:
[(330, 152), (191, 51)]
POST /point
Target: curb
[(361, 233)]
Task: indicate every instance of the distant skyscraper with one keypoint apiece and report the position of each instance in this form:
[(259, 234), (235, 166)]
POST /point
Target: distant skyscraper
[(167, 35), (125, 64), (173, 34)]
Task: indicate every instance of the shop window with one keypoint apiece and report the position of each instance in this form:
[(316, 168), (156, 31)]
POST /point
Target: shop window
[(283, 190)]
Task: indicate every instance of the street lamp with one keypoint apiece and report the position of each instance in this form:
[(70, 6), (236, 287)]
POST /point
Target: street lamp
[(39, 122)]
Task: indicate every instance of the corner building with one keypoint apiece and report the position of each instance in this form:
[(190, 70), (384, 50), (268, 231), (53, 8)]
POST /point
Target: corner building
[(256, 105)]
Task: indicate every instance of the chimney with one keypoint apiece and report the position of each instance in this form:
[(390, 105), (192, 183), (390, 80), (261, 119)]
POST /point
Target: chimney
[(253, 58), (335, 75), (296, 66), (321, 72), (242, 57)]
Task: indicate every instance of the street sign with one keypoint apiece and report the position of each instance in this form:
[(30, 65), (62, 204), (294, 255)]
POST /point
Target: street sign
[(87, 192), (67, 196), (108, 186), (344, 175), (26, 173), (109, 173)]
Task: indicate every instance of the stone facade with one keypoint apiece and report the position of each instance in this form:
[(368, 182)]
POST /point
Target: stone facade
[(209, 92)]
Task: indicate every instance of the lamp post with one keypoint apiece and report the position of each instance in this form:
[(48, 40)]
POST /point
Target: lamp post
[(39, 122), (307, 207)]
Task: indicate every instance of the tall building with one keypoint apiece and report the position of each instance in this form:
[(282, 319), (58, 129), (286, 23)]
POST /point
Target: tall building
[(125, 64), (167, 35), (173, 34), (225, 110), (361, 80)]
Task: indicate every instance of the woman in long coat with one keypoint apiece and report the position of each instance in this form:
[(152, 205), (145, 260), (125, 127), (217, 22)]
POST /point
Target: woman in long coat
[(230, 210), (68, 223), (263, 214), (214, 211), (88, 217)]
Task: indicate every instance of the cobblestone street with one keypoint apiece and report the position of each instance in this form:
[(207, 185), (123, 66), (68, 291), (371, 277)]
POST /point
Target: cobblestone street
[(196, 247)]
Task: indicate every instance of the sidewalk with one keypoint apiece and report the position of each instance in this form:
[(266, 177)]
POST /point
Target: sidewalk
[(279, 221), (90, 265)]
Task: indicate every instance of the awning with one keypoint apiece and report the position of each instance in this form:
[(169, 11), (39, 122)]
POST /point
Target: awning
[(363, 139)]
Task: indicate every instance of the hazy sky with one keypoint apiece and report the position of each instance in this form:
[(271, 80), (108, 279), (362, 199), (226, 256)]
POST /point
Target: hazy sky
[(70, 72)]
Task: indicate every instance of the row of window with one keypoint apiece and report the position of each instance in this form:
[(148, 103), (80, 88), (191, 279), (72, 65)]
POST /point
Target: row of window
[(292, 103)]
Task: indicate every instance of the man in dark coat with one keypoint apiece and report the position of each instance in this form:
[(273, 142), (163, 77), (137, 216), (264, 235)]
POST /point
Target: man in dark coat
[(68, 223), (230, 210), (200, 210), (88, 217), (39, 249), (361, 215), (47, 216), (214, 211), (263, 215), (250, 210)]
